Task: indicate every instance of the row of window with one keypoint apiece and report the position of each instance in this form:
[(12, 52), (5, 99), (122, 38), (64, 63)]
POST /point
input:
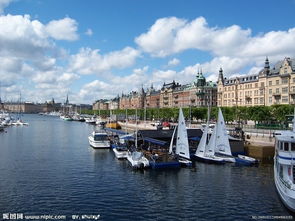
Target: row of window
[(271, 100), (255, 85), (286, 146)]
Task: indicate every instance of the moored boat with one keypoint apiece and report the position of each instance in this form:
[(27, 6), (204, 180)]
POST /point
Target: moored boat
[(120, 150), (99, 140), (206, 152), (284, 167), (137, 160), (222, 147), (246, 160), (113, 125), (182, 146)]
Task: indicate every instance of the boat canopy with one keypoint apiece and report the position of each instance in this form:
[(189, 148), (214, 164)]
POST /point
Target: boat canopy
[(194, 138), (155, 141), (115, 131)]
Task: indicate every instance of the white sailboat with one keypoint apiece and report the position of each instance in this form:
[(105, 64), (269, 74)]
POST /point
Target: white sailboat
[(206, 152), (182, 146), (222, 146), (137, 159)]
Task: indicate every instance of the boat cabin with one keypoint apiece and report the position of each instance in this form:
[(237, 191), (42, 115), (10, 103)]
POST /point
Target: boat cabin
[(100, 137)]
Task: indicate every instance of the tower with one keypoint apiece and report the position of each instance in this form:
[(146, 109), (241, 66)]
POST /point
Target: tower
[(67, 100), (266, 67), (220, 76)]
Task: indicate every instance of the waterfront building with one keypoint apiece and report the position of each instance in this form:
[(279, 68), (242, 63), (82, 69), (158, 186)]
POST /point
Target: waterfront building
[(25, 107), (199, 93), (269, 86), (152, 98), (102, 104), (133, 100)]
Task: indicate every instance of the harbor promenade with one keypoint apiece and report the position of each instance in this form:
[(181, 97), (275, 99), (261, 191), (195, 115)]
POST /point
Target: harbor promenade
[(259, 143)]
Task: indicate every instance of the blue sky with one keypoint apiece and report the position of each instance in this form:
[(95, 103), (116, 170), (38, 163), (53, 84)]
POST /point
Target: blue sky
[(97, 49)]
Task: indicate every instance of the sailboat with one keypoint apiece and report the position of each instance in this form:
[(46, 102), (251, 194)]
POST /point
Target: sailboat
[(222, 146), (182, 146), (19, 121), (206, 152), (136, 158)]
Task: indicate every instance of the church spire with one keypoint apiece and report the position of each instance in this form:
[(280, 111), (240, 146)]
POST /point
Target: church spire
[(220, 76), (67, 100), (266, 66)]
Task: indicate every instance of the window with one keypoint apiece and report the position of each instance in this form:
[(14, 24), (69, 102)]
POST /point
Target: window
[(270, 83), (256, 84), (261, 100), (277, 82), (286, 146), (281, 145), (285, 99), (256, 92), (262, 84), (292, 146), (261, 92), (270, 91), (285, 81), (293, 80), (277, 90), (270, 100), (255, 100), (225, 89), (284, 90)]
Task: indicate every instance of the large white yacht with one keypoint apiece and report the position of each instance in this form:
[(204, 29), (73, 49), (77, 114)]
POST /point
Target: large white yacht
[(284, 166), (99, 140)]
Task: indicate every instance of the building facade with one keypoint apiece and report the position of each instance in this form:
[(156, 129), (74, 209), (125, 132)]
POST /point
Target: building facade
[(270, 86), (199, 93)]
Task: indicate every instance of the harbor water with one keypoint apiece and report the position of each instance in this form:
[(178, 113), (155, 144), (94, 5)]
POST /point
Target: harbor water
[(48, 167)]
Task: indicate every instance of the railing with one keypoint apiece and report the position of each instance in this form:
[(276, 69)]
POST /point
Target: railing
[(276, 94)]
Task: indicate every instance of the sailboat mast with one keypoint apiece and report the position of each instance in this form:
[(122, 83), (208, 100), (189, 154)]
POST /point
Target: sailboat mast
[(136, 128)]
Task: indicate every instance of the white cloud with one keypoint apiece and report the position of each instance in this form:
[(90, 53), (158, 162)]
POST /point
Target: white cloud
[(89, 61), (159, 40), (21, 37), (63, 29), (173, 35), (173, 62), (4, 4), (89, 32)]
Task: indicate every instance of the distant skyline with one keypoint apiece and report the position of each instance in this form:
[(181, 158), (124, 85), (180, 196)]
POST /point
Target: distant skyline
[(98, 49)]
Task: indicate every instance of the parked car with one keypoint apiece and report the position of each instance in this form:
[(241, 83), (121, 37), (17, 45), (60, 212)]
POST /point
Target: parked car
[(166, 124)]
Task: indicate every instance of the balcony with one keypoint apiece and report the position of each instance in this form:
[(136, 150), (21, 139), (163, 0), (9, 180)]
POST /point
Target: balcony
[(247, 97), (276, 94)]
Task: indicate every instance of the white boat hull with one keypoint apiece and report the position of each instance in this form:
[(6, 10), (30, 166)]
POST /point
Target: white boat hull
[(138, 163), (99, 144), (284, 192), (120, 154)]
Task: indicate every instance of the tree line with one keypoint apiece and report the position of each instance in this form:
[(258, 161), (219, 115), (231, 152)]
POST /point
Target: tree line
[(259, 114)]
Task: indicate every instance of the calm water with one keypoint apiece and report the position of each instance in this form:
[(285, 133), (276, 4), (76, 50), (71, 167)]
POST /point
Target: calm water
[(49, 168)]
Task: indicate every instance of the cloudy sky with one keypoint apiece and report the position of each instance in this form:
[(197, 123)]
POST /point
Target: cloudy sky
[(98, 49)]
